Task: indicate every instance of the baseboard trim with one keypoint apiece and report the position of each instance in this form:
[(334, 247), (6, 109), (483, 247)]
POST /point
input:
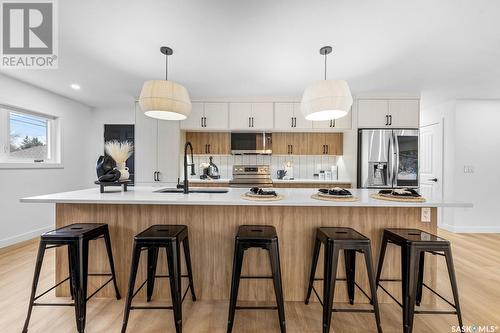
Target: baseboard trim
[(23, 237), (471, 229)]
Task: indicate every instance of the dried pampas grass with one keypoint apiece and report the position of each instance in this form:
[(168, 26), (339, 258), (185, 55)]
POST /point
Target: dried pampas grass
[(119, 151)]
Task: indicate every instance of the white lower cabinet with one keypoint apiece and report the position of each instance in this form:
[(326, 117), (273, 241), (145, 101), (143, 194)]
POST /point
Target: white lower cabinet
[(156, 149)]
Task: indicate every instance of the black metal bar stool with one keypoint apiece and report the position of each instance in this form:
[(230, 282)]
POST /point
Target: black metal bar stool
[(414, 244), (77, 237), (264, 237), (336, 239), (152, 239)]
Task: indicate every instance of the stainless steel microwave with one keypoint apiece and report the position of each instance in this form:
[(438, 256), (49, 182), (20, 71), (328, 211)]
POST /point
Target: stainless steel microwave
[(251, 143)]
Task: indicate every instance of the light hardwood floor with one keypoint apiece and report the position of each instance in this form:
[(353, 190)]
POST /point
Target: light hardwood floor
[(477, 263)]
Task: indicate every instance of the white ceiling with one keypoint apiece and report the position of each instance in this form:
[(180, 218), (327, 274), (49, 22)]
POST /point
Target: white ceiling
[(235, 48)]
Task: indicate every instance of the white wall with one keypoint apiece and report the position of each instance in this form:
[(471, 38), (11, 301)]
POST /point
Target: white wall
[(471, 138), (20, 221)]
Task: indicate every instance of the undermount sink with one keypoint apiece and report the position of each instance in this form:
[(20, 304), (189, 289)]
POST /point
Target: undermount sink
[(192, 190)]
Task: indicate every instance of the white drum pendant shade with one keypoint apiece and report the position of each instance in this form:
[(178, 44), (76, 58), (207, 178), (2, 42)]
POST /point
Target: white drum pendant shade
[(165, 100), (326, 100)]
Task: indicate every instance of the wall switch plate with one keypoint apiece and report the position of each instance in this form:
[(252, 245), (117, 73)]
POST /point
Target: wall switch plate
[(425, 215)]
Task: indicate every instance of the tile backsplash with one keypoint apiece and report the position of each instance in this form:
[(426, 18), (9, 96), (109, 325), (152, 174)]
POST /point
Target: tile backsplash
[(304, 166)]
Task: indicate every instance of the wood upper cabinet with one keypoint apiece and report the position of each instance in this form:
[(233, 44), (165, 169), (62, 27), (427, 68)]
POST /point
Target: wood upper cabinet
[(253, 116), (214, 116), (287, 116), (290, 143), (326, 144), (393, 113), (204, 143)]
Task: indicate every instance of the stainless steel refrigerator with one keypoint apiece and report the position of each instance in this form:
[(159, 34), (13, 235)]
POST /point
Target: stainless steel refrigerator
[(388, 158)]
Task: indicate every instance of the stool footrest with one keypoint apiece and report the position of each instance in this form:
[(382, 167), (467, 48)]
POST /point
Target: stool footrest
[(170, 307), (53, 304)]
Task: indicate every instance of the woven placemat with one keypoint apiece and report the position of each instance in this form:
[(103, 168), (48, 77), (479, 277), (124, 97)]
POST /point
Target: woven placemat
[(349, 199), (276, 198), (398, 199)]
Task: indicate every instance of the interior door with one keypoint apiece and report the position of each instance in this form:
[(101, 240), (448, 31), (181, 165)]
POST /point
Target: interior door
[(431, 160)]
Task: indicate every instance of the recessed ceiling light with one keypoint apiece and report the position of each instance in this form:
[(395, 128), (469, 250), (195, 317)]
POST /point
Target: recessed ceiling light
[(75, 86)]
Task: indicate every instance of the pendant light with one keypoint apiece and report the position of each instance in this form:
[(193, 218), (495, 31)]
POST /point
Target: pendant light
[(163, 99), (327, 99)]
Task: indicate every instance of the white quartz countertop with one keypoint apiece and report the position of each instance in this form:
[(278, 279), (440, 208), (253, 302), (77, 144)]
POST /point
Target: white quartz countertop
[(295, 180), (145, 195)]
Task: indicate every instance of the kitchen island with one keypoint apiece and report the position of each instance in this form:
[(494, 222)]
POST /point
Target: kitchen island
[(213, 219)]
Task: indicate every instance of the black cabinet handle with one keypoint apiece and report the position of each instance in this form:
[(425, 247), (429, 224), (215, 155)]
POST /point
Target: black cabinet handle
[(390, 119), (201, 120), (386, 120), (323, 149), (249, 122), (291, 149), (252, 122), (333, 123), (209, 148), (327, 148), (154, 176), (433, 180)]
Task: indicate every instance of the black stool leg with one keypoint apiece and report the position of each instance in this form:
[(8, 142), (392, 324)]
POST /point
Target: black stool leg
[(174, 272), (420, 281), (453, 281), (80, 255), (350, 272), (136, 254), (278, 289), (314, 264), (235, 283), (187, 257), (412, 284), (36, 277), (381, 257), (405, 286), (373, 287), (331, 259), (107, 241), (70, 275), (152, 263)]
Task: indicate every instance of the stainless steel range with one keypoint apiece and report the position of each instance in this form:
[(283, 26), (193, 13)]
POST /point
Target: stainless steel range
[(251, 175)]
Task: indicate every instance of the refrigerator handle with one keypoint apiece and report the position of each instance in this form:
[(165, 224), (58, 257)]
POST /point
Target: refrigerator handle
[(396, 158), (390, 160)]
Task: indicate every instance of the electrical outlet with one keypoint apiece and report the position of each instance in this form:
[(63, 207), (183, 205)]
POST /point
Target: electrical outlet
[(468, 169), (425, 215)]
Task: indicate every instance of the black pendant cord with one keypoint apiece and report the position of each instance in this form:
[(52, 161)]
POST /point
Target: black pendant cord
[(325, 66), (166, 67)]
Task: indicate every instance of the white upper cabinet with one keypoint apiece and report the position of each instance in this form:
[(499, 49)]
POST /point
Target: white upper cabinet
[(212, 116), (195, 119), (404, 113), (394, 113), (216, 116), (251, 116), (287, 116), (336, 124)]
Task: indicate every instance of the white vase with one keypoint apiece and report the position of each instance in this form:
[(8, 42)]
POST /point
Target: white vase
[(124, 174)]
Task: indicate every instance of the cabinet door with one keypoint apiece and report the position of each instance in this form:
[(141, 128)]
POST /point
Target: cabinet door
[(240, 115), (219, 143), (199, 141), (216, 116), (280, 146), (300, 143), (334, 143), (372, 113), (283, 116), (146, 134), (344, 122), (300, 121), (262, 116), (168, 150), (316, 144), (404, 113), (194, 121)]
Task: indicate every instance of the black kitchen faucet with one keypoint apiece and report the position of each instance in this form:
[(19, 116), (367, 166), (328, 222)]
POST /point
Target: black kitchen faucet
[(186, 182)]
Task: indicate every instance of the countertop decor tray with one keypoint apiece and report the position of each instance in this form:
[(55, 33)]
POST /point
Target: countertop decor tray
[(397, 198), (338, 198), (259, 197)]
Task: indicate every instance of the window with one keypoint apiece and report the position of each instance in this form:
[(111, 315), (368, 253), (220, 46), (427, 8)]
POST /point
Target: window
[(27, 138)]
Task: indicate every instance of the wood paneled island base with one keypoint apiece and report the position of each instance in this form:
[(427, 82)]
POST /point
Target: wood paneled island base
[(211, 231)]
